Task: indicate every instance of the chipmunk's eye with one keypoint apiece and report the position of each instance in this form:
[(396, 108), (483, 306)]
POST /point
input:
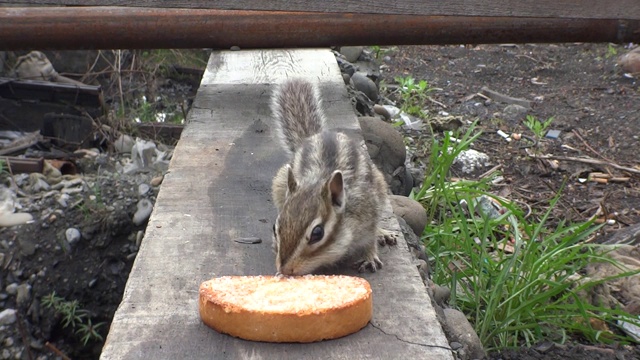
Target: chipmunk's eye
[(316, 234)]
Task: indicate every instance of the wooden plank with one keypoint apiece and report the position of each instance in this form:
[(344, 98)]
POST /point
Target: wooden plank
[(145, 28), (218, 189), (610, 9)]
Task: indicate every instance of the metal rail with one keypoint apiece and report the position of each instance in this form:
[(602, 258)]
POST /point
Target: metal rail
[(23, 28)]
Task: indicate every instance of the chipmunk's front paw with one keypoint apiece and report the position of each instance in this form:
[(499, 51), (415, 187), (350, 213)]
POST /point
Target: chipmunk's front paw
[(386, 237), (371, 262)]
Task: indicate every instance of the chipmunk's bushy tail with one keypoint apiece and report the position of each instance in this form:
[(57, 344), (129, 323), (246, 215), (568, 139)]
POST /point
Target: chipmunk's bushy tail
[(297, 109)]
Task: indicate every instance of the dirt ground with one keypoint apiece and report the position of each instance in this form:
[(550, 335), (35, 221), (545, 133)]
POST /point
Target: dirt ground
[(594, 107), (592, 103)]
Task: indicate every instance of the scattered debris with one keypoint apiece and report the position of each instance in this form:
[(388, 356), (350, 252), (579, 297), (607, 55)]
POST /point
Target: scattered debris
[(552, 134), (586, 160), (36, 66), (248, 240), (496, 96), (504, 135)]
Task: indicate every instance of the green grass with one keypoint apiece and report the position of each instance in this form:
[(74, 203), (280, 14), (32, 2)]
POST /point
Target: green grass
[(536, 126), (516, 297), (612, 51), (75, 317), (413, 95)]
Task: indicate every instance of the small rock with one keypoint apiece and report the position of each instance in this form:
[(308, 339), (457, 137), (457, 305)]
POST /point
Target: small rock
[(123, 144), (52, 174), (630, 62), (8, 317), (370, 68), (346, 78), (27, 245), (36, 344), (544, 346), (37, 183), (7, 219), (455, 345), (139, 237), (145, 207), (345, 66), (411, 211), (142, 154), (441, 294), (470, 160), (382, 111), (6, 354), (387, 150), (12, 289), (156, 181), (23, 297), (72, 235), (362, 83), (143, 189), (351, 53), (460, 330), (423, 268), (63, 199), (514, 113)]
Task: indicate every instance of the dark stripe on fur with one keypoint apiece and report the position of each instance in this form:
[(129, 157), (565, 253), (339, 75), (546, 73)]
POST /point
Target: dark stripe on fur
[(330, 150)]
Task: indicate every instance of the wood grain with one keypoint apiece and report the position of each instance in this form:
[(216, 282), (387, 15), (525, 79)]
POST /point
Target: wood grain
[(580, 9), (218, 189)]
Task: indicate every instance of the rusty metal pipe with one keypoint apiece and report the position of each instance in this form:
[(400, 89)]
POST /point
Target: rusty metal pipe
[(146, 28)]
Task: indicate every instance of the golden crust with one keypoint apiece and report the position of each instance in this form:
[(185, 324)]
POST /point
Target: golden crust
[(293, 309)]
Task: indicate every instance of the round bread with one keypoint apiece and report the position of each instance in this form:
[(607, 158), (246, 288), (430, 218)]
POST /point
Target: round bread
[(286, 309)]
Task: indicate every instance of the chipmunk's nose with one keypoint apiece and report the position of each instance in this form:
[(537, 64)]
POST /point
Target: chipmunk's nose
[(286, 270)]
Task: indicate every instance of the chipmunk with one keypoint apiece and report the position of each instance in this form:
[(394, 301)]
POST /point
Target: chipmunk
[(330, 196)]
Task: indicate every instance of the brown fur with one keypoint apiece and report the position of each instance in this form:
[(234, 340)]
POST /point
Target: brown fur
[(305, 195)]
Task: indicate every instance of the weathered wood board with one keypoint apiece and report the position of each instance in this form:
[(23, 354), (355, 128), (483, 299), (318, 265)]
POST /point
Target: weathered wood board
[(218, 189), (576, 9)]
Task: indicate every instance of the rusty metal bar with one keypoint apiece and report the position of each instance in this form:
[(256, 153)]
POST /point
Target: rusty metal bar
[(145, 28), (22, 165), (572, 9)]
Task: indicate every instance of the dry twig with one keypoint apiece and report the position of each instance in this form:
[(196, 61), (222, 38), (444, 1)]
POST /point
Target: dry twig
[(587, 161), (589, 146), (53, 348)]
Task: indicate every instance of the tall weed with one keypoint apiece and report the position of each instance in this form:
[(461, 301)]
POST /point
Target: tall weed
[(516, 277)]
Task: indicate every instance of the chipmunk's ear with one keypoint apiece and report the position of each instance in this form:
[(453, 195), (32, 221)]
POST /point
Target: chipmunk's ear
[(291, 181), (335, 185)]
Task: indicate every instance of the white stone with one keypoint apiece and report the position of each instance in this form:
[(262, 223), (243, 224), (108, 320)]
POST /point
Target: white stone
[(145, 207), (143, 189), (12, 289), (72, 235), (470, 160), (7, 317)]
